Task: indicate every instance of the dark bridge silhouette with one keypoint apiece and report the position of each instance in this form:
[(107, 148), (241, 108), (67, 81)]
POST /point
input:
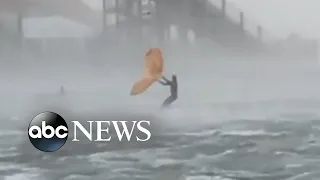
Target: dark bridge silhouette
[(207, 20)]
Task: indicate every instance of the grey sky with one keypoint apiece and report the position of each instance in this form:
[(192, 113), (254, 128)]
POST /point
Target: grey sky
[(284, 16)]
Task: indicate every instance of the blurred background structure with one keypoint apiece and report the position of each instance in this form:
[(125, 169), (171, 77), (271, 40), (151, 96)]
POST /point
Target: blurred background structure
[(110, 27)]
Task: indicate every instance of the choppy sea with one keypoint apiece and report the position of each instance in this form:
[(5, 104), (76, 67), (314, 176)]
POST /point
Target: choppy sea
[(282, 145), (263, 125)]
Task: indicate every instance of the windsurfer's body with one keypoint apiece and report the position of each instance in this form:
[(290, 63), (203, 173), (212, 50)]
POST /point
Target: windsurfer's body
[(173, 89)]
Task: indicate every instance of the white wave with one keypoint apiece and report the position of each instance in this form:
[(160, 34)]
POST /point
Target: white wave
[(127, 169), (9, 154), (24, 176), (27, 172), (301, 176), (195, 134), (252, 133), (11, 133), (153, 158), (166, 161), (115, 159), (75, 176), (200, 159), (240, 174), (294, 165), (199, 178), (9, 166), (202, 133)]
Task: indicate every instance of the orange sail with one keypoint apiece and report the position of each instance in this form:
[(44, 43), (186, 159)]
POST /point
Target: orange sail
[(153, 69)]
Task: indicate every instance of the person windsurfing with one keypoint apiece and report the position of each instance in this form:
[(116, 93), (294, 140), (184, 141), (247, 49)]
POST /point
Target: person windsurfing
[(173, 89)]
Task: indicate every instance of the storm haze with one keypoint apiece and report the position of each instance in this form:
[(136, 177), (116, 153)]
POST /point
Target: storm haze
[(248, 86)]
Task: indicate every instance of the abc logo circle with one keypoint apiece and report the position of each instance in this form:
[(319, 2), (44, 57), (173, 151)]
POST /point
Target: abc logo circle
[(48, 132)]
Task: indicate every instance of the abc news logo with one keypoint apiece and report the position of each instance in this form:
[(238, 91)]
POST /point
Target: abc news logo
[(48, 131)]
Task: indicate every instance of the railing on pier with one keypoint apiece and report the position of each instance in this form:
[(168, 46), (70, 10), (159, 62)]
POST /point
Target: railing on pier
[(238, 17)]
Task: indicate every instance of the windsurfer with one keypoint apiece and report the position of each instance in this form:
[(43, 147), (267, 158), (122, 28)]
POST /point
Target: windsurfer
[(173, 89)]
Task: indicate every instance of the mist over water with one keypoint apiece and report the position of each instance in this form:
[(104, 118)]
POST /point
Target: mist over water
[(202, 80)]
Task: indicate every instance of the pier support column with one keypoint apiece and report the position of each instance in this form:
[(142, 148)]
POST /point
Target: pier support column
[(223, 7), (139, 21), (241, 20), (20, 31), (104, 18), (259, 33)]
